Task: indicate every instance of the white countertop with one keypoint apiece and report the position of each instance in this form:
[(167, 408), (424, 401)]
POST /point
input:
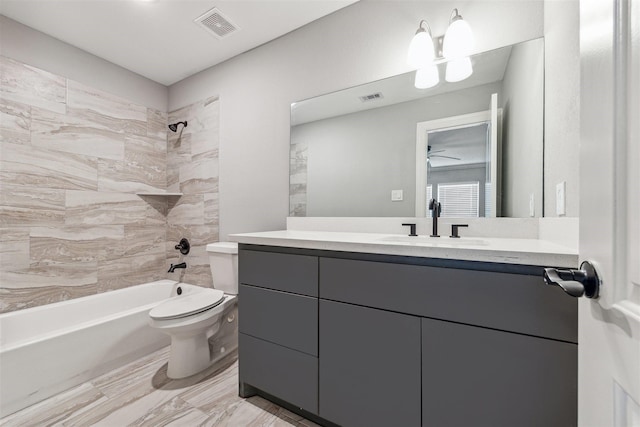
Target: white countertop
[(500, 250)]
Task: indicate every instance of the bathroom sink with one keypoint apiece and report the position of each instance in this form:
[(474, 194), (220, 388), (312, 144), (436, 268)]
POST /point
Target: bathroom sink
[(435, 241)]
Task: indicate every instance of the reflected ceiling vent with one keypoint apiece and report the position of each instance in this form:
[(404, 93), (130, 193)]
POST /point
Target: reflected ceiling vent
[(216, 24), (372, 97)]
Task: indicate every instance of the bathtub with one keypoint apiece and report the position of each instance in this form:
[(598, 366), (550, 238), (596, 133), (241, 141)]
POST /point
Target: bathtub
[(48, 349)]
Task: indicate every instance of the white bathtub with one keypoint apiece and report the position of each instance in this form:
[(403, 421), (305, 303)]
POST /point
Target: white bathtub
[(45, 350)]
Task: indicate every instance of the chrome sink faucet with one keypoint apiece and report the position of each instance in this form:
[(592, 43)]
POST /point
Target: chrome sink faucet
[(436, 210)]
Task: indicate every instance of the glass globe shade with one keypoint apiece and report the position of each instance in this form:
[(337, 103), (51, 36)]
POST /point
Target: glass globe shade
[(427, 77), (421, 51), (458, 40), (458, 69)]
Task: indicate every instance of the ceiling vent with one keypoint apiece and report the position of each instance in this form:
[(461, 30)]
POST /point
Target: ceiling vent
[(372, 97), (216, 23)]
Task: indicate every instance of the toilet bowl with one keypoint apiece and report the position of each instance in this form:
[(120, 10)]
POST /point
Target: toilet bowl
[(196, 317)]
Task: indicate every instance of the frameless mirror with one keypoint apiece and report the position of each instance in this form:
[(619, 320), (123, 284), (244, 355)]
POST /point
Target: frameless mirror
[(385, 148)]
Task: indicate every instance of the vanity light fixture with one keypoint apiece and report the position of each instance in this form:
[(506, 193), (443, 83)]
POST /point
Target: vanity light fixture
[(457, 46)]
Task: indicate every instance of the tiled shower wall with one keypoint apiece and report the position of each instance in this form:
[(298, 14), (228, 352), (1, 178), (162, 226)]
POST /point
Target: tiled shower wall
[(192, 169), (71, 162)]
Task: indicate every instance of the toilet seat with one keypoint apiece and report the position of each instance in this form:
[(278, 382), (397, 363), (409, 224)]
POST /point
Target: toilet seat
[(187, 305)]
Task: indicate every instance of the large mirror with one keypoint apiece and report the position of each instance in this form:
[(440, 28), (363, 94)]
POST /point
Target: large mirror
[(385, 148)]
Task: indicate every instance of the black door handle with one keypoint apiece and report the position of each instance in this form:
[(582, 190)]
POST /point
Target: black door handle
[(577, 283)]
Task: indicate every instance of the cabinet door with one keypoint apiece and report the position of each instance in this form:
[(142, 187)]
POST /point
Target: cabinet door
[(473, 376), (369, 366)]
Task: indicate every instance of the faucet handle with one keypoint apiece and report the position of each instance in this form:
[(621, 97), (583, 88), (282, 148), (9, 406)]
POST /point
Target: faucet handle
[(412, 228), (454, 230)]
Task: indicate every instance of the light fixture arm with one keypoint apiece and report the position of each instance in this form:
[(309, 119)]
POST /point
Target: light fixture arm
[(420, 29), (455, 15)]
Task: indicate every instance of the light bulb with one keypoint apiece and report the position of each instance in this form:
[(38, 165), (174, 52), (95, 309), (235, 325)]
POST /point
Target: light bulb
[(458, 40), (458, 69), (421, 52), (427, 77)]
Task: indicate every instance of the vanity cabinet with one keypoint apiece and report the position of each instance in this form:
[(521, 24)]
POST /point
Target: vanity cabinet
[(369, 366), (278, 327), (377, 340)]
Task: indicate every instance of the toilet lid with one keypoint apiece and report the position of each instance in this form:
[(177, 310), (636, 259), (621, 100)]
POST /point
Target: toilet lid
[(186, 305)]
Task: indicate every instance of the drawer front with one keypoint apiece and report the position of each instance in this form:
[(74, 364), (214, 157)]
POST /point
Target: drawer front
[(279, 317), (284, 373), (282, 272), (509, 302)]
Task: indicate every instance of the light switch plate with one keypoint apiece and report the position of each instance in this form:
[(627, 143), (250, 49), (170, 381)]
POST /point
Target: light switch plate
[(396, 195), (561, 205), (532, 205)]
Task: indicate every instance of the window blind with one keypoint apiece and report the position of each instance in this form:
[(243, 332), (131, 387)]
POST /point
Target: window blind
[(459, 200)]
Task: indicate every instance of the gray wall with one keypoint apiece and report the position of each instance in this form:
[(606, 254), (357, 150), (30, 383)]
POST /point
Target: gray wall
[(363, 42), (562, 101), (522, 111), (37, 49), (355, 160)]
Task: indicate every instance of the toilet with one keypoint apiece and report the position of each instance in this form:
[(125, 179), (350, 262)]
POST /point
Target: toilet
[(201, 322)]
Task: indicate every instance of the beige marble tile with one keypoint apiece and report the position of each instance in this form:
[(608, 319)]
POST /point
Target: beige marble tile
[(139, 240), (205, 144), (143, 168), (26, 295), (74, 243), (188, 209), (157, 122), (39, 167), (15, 122), (14, 248), (53, 274), (32, 86), (80, 96), (23, 205), (211, 209), (199, 177), (110, 208), (129, 271), (77, 134)]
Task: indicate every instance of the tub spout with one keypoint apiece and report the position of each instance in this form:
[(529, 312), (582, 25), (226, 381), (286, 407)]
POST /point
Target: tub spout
[(174, 266)]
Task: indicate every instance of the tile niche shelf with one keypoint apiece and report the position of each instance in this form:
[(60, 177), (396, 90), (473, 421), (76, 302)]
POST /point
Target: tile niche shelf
[(159, 193)]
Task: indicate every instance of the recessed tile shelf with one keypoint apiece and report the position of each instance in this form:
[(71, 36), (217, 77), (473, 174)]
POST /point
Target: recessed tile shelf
[(160, 194)]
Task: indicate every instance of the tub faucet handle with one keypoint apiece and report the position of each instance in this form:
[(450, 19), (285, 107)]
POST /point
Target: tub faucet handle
[(183, 246)]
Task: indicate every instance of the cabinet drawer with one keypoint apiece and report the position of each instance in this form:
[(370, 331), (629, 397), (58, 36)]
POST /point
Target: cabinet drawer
[(283, 272), (505, 301), (279, 317), (287, 374)]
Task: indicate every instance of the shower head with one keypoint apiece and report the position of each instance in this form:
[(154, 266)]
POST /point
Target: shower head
[(174, 126)]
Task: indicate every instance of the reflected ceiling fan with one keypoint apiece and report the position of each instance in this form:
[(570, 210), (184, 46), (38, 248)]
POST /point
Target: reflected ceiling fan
[(431, 154)]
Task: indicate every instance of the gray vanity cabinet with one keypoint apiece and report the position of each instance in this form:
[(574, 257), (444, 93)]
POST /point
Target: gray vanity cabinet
[(369, 366), (375, 340), (483, 377), (278, 326)]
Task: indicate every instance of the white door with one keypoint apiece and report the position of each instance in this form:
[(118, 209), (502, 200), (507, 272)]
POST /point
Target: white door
[(609, 327)]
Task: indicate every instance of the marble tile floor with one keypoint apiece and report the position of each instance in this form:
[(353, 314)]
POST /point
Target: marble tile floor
[(141, 394)]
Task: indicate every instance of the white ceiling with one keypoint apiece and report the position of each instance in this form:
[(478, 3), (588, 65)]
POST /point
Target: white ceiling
[(158, 39)]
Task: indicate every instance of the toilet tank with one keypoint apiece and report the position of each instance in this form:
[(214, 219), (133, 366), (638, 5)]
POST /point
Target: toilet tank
[(223, 260)]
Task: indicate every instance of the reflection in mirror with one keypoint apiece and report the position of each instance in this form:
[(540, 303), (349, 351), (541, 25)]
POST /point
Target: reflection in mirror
[(378, 149)]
